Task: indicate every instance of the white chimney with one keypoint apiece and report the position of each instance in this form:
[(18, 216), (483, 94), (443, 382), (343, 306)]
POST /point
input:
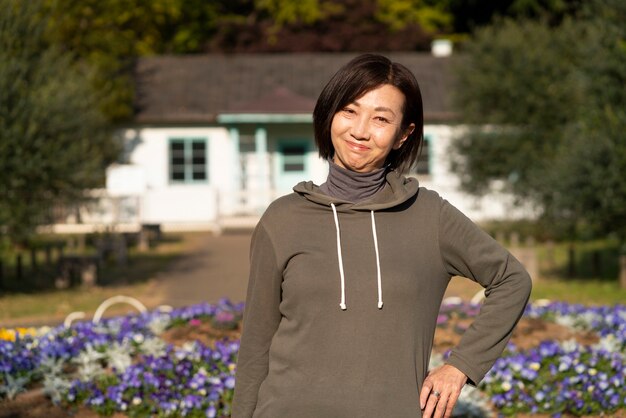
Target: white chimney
[(441, 48)]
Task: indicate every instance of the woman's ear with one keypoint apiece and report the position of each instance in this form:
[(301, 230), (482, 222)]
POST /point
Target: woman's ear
[(404, 136)]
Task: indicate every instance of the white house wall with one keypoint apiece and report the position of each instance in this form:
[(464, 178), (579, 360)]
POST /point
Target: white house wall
[(204, 205), (180, 205)]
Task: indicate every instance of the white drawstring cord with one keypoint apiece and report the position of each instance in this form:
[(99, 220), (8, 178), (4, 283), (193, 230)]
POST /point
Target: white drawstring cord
[(342, 304), (380, 286)]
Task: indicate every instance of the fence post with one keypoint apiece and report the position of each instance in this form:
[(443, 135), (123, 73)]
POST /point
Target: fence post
[(48, 255), (33, 259), (571, 260), (622, 271), (1, 275), (19, 270), (121, 251)]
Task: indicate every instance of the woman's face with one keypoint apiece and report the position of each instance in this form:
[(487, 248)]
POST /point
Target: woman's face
[(365, 131)]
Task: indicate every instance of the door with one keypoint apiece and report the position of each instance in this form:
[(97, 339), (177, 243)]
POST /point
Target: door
[(291, 164)]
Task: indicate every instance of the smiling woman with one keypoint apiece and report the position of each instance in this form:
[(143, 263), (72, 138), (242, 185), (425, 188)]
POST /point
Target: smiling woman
[(366, 130), (346, 278)]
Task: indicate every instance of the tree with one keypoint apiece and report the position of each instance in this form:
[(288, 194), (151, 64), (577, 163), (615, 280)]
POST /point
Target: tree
[(519, 79), (53, 140), (547, 106)]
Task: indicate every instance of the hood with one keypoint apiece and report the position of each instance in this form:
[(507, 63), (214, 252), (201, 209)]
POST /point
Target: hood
[(397, 190)]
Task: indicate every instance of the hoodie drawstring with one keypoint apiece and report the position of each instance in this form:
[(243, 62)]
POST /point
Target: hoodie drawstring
[(342, 304), (380, 285)]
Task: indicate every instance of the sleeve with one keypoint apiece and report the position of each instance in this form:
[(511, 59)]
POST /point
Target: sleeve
[(470, 252), (260, 321)]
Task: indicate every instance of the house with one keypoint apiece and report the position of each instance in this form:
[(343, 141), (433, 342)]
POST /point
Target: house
[(217, 137)]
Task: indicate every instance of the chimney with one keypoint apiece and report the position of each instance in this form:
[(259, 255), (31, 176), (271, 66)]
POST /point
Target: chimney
[(441, 48)]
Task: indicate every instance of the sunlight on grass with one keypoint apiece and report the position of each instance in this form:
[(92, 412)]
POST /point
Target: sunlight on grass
[(588, 292), (136, 279), (54, 306)]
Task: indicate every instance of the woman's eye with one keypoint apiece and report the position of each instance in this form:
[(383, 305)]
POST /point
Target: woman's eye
[(382, 119), (348, 110)]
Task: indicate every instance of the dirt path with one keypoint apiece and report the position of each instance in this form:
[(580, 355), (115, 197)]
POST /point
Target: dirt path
[(216, 267)]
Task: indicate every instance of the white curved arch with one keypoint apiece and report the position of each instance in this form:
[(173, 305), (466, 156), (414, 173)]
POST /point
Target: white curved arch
[(478, 297), (114, 300), (452, 300), (72, 317)]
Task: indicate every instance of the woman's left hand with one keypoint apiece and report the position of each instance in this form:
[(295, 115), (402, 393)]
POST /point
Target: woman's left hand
[(440, 391)]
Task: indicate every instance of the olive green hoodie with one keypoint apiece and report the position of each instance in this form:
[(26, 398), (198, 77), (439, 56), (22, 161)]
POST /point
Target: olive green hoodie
[(343, 299)]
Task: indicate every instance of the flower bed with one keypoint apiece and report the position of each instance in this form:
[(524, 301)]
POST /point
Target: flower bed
[(562, 359)]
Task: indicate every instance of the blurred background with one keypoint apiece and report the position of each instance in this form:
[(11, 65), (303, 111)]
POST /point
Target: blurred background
[(135, 133)]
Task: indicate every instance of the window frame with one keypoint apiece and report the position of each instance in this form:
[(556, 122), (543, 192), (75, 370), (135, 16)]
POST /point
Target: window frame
[(188, 160), (286, 159)]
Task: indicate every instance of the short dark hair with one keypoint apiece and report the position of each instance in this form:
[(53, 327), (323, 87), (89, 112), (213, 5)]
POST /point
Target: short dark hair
[(359, 76)]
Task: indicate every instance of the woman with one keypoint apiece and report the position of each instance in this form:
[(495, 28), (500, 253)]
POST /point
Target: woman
[(346, 279)]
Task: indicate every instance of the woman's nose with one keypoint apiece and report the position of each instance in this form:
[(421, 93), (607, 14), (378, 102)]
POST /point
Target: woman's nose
[(360, 128)]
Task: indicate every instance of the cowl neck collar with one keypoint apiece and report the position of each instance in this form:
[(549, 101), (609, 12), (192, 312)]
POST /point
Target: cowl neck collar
[(352, 186)]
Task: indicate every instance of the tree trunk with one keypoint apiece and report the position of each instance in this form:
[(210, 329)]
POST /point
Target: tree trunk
[(571, 260), (622, 270), (19, 271), (33, 259), (596, 264)]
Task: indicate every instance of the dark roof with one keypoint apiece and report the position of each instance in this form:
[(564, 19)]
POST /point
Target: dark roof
[(280, 100), (197, 88)]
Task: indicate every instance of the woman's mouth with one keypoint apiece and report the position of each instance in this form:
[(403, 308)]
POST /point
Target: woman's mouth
[(357, 147)]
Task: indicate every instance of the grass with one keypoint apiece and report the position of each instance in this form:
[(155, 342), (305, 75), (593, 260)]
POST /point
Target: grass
[(585, 291), (591, 278), (51, 307), (595, 280), (44, 305)]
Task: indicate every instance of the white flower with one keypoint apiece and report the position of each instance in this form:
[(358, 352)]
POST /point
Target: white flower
[(159, 323), (609, 343), (88, 355), (89, 371), (52, 366), (153, 346), (13, 385), (119, 356), (570, 346), (55, 386)]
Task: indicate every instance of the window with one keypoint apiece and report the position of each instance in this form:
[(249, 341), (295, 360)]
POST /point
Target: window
[(423, 162), (293, 158), (188, 160)]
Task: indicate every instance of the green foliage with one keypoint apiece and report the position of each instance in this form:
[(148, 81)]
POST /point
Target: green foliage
[(546, 110), (53, 140), (288, 11), (430, 16), (108, 35)]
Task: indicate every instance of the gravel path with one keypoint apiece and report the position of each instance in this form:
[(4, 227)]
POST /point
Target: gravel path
[(216, 267)]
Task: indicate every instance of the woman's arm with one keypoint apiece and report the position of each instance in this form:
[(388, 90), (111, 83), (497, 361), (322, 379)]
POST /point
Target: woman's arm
[(260, 321), (470, 252)]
